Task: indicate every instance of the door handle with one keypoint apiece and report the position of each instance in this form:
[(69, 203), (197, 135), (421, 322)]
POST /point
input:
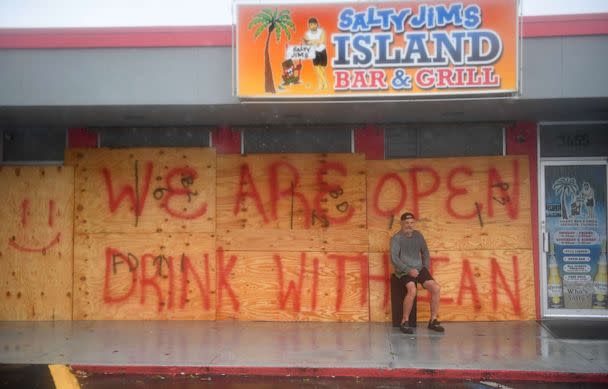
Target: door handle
[(545, 242)]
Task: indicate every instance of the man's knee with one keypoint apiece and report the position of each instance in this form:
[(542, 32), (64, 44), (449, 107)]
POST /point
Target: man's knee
[(411, 290), (432, 286), (436, 288)]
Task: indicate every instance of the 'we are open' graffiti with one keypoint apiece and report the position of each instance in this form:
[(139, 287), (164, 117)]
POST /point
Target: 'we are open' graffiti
[(144, 234), (475, 215), (183, 234)]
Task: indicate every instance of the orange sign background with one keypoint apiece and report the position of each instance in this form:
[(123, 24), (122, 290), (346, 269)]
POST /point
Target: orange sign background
[(500, 16)]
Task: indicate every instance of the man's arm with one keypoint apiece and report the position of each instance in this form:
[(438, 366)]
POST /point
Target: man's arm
[(305, 39), (394, 251), (397, 263), (424, 252)]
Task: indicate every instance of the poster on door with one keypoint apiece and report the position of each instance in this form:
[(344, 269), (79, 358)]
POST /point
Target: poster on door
[(575, 211)]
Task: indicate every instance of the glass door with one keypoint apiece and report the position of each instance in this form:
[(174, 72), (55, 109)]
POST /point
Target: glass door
[(574, 279)]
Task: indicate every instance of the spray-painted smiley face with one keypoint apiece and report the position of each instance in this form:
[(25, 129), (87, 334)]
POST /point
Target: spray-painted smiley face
[(25, 212)]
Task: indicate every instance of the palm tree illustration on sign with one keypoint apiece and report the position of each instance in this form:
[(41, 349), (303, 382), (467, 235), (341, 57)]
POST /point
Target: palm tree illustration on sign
[(565, 186), (278, 22)]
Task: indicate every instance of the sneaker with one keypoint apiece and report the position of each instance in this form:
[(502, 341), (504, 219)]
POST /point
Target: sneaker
[(406, 329), (435, 326)]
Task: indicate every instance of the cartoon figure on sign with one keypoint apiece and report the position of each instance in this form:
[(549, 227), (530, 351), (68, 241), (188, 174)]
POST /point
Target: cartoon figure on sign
[(315, 36), (277, 22), (291, 72), (25, 216)]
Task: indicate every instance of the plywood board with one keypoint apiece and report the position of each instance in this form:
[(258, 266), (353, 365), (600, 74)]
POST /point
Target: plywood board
[(291, 192), (144, 190), (294, 240), (476, 285), (289, 286), (36, 242), (144, 276), (460, 203), (380, 270)]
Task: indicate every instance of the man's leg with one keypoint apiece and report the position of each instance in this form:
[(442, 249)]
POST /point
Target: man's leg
[(433, 287), (323, 71), (321, 78), (408, 301)]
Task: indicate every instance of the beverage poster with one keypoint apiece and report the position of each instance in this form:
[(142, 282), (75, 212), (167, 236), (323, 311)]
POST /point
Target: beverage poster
[(575, 213)]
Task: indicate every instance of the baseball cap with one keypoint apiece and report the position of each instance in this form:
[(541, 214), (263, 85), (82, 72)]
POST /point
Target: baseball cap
[(407, 215)]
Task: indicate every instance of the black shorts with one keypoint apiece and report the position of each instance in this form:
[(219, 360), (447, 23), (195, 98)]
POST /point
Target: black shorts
[(423, 276), (320, 58)]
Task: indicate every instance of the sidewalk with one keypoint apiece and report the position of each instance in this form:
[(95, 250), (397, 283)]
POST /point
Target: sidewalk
[(507, 350)]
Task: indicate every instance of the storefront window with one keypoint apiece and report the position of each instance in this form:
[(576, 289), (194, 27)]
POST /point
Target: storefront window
[(33, 145), (153, 137), (297, 140), (443, 140), (574, 140)]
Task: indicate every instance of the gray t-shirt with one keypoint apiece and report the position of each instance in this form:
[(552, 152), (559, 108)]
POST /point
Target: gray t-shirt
[(409, 252)]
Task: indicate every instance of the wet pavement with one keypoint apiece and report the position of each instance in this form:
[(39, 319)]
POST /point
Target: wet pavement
[(481, 346), (286, 355), (26, 376)]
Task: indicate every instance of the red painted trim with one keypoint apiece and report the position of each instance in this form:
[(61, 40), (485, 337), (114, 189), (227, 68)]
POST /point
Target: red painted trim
[(565, 25), (522, 139), (454, 374), (226, 141), (81, 137), (370, 141), (201, 36), (53, 38)]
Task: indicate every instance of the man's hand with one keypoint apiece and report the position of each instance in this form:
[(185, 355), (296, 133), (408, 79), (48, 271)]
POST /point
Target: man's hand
[(413, 273)]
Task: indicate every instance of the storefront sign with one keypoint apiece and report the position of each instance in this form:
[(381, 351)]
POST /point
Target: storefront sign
[(575, 211), (411, 48)]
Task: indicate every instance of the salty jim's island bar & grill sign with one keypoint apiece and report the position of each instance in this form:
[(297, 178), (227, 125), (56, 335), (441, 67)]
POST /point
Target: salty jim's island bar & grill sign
[(415, 48)]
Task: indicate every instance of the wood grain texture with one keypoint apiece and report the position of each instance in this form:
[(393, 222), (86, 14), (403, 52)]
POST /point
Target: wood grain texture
[(285, 286), (476, 285), (283, 191), (300, 237), (144, 276), (461, 203), (36, 245), (380, 270), (144, 190), (294, 240)]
